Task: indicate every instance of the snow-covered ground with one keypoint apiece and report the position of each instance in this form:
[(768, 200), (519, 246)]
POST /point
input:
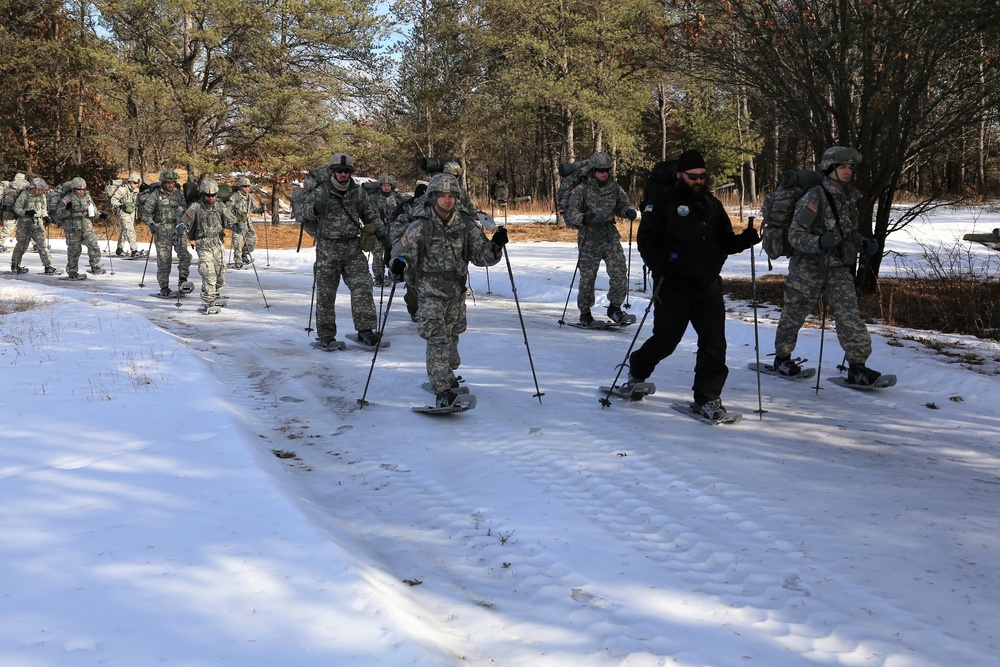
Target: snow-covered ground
[(179, 489)]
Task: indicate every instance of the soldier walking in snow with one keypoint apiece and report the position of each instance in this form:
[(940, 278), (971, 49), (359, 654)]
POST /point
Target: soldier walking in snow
[(31, 209), (825, 240), (593, 206), (76, 211), (125, 202), (242, 205), (388, 200), (161, 210), (437, 248), (205, 223)]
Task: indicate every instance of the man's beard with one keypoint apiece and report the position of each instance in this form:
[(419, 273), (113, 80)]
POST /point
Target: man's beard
[(696, 189)]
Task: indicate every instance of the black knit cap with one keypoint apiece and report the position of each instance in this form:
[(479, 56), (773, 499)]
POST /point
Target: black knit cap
[(690, 160)]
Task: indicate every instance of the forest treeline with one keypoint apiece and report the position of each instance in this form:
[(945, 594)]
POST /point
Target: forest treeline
[(273, 87)]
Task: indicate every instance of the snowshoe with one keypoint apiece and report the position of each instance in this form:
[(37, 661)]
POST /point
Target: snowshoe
[(768, 369), (185, 286), (210, 310), (74, 276), (586, 319), (96, 270), (119, 251), (860, 374), (619, 317), (329, 344), (632, 389), (882, 382), (52, 271), (455, 388), (710, 412), (448, 402), (18, 270)]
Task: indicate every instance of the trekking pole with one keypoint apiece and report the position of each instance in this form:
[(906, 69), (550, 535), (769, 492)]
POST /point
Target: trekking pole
[(149, 251), (267, 245), (263, 296), (756, 334), (562, 320), (606, 401), (489, 290), (513, 288), (107, 235), (822, 333), (628, 267), (312, 299), (381, 330)]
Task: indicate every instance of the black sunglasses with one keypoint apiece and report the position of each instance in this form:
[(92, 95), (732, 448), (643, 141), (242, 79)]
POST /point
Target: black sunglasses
[(601, 171), (695, 177)]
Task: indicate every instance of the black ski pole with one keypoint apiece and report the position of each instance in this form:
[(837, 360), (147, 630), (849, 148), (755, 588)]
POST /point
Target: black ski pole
[(562, 320), (489, 290), (756, 334), (822, 334), (513, 288), (149, 251), (107, 235), (312, 300), (628, 267), (263, 296), (606, 401), (381, 331)]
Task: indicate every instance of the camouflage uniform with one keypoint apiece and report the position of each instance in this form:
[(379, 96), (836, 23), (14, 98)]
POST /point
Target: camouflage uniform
[(438, 252), (397, 227), (75, 212), (387, 204), (31, 228), (335, 220), (205, 225), (124, 201), (592, 210), (245, 242), (19, 183), (811, 270), (162, 210)]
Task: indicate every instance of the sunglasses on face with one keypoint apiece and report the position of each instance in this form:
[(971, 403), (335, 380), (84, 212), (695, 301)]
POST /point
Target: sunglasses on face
[(341, 171), (695, 177), (206, 196), (601, 171)]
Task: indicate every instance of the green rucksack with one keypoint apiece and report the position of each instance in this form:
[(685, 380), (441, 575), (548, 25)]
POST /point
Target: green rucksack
[(779, 207)]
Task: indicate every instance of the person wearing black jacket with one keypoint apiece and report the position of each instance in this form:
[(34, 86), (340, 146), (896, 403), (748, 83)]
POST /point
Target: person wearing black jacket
[(685, 237)]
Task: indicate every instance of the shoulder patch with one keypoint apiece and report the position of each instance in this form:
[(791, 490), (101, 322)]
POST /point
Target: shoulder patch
[(811, 205), (190, 213)]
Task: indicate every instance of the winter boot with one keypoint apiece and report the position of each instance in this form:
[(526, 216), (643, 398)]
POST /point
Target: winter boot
[(862, 375), (97, 270), (631, 382), (712, 410), (616, 314), (369, 337), (165, 291), (18, 270), (586, 319), (119, 251), (445, 399), (135, 253), (785, 366), (327, 343), (378, 281), (52, 271), (211, 310)]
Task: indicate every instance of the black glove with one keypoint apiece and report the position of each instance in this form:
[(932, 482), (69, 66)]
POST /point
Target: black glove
[(47, 219), (631, 214), (398, 268), (30, 213), (69, 206), (102, 215), (386, 243), (830, 240), (869, 247), (321, 207), (750, 236), (500, 237)]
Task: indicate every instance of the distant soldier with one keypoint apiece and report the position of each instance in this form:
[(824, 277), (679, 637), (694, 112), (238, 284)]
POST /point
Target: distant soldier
[(593, 206), (437, 248), (31, 209), (125, 202), (161, 211), (8, 196), (338, 211), (388, 201), (205, 222), (499, 192), (76, 211), (242, 206)]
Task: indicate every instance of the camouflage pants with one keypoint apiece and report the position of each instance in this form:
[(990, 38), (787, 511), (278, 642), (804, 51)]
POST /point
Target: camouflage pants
[(167, 242), (591, 255), (29, 230), (336, 260), (244, 244), (78, 235), (8, 227), (439, 322), (211, 267), (805, 283), (378, 261), (127, 233)]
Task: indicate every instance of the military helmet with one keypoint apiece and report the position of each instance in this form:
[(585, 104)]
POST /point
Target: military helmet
[(169, 175), (134, 177), (442, 183), (342, 161), (600, 160), (452, 167), (39, 184), (839, 155), (208, 186), (78, 184), (243, 181), (20, 178), (382, 180)]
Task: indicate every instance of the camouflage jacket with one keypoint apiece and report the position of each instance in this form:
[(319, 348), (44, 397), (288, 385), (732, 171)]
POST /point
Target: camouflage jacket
[(814, 215), (242, 206), (438, 253), (593, 208), (388, 203), (125, 200), (75, 210), (209, 222), (27, 201), (340, 216), (163, 208)]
